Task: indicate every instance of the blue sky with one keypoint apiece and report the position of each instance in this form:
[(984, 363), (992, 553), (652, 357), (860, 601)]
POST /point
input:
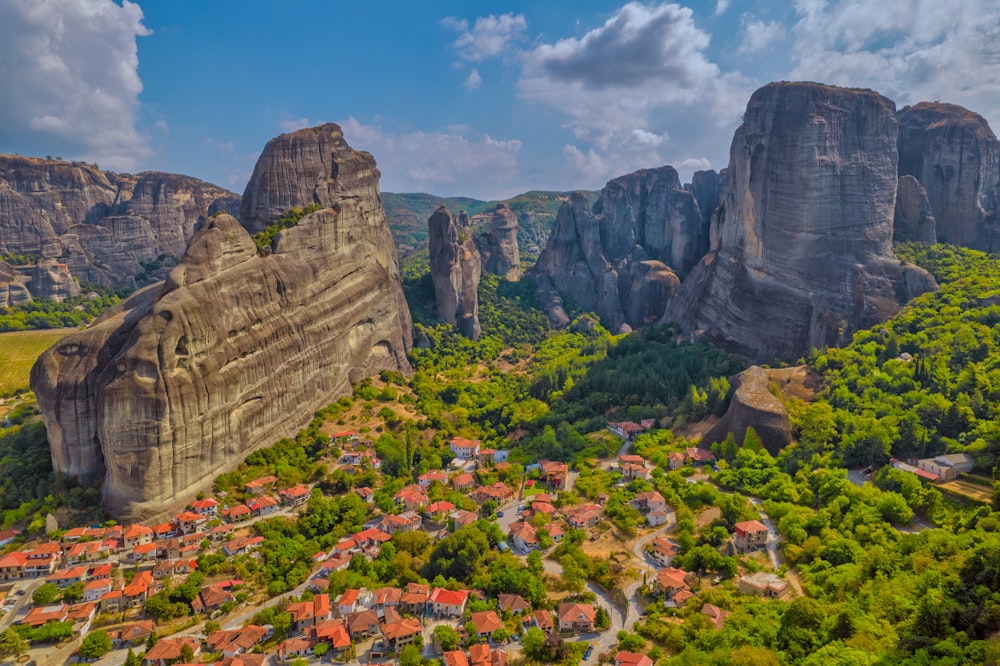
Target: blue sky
[(483, 99)]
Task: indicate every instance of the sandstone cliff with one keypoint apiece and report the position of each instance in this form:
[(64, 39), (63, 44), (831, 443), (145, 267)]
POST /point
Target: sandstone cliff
[(499, 249), (13, 289), (955, 156), (232, 352), (913, 219), (622, 259), (804, 255), (103, 226), (456, 268), (753, 405)]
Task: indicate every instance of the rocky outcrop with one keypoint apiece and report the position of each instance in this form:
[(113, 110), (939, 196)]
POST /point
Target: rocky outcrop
[(232, 352), (51, 280), (499, 248), (107, 228), (622, 259), (707, 187), (913, 219), (753, 405), (804, 255), (955, 156), (13, 290), (456, 268)]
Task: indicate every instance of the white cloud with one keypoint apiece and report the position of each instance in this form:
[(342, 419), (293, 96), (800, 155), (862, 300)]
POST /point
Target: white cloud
[(909, 51), (490, 35), (721, 6), (473, 81), (293, 124), (629, 85), (759, 35), (69, 79), (439, 162)]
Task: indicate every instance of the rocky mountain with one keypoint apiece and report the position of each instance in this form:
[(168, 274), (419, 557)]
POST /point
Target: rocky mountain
[(753, 406), (623, 257), (235, 349), (106, 228), (456, 268), (954, 155), (498, 246), (913, 219), (804, 255)]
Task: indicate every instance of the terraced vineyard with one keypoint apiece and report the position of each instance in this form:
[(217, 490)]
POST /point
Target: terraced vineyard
[(18, 352)]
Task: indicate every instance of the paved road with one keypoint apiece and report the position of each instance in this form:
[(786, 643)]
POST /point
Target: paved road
[(605, 640), (645, 566)]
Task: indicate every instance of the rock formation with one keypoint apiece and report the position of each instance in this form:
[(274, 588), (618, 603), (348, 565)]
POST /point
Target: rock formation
[(913, 219), (455, 270), (753, 405), (955, 156), (499, 249), (13, 290), (622, 258), (707, 187), (107, 228), (804, 257), (232, 352)]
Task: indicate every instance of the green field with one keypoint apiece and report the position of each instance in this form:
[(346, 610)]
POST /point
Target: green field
[(18, 352)]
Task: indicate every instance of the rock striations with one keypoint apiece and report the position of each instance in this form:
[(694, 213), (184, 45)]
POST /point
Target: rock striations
[(104, 227), (456, 268), (500, 253), (622, 258), (233, 351), (804, 256), (954, 155), (753, 406)]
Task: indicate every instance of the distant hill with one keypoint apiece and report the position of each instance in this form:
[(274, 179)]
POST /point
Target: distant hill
[(536, 212)]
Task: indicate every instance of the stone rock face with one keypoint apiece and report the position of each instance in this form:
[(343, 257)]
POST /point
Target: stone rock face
[(804, 256), (13, 291), (103, 226), (707, 187), (312, 165), (622, 259), (52, 281), (753, 405), (456, 268), (232, 352), (955, 156), (913, 219), (500, 252)]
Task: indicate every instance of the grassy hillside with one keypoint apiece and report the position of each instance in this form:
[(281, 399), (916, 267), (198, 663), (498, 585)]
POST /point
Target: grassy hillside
[(18, 352)]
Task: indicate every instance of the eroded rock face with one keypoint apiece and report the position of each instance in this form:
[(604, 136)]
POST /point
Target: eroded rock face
[(955, 156), (502, 256), (753, 405), (456, 268), (103, 226), (622, 259), (804, 255), (913, 219), (13, 291), (232, 352)]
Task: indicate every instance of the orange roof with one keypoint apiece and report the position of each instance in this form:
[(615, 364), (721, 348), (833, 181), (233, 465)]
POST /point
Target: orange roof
[(439, 595), (295, 491), (189, 517), (455, 658), (749, 527), (486, 622), (479, 654), (407, 627)]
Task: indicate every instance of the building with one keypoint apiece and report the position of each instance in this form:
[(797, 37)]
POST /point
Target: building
[(671, 582), (523, 536), (676, 460), (663, 551), (463, 481), (497, 492), (697, 457), (168, 651), (716, 614), (947, 467), (556, 474), (259, 485), (486, 622), (206, 507), (465, 449), (763, 584), (447, 603), (749, 535), (624, 658), (295, 496), (543, 620), (576, 618), (627, 430), (130, 635), (401, 633)]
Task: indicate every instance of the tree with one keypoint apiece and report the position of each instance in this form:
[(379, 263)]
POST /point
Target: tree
[(533, 644), (410, 656), (187, 653), (321, 649), (12, 645), (45, 594), (132, 659), (212, 626), (446, 637), (95, 645), (73, 593)]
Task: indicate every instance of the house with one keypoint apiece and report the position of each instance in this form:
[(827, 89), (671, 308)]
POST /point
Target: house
[(211, 598), (82, 615), (130, 635), (501, 456), (523, 536), (577, 618), (401, 633), (136, 535), (168, 650), (514, 604), (8, 536), (486, 622), (308, 613), (100, 572), (465, 449), (947, 467), (386, 597), (264, 505), (12, 565), (85, 552), (138, 590), (698, 457), (238, 513), (233, 642), (408, 521), (371, 537), (363, 624), (455, 658), (39, 615), (294, 648), (259, 485), (242, 545), (367, 494), (411, 497), (113, 602), (447, 603), (543, 620), (414, 598), (251, 659), (583, 518), (649, 500), (463, 482), (165, 531), (749, 535), (485, 457), (67, 577), (627, 430), (624, 658), (347, 602), (554, 531), (206, 507), (482, 655), (189, 521), (655, 518), (633, 471), (556, 474), (716, 614), (439, 511), (763, 584), (663, 551), (671, 581), (676, 459), (93, 590), (332, 632), (295, 496), (497, 492), (461, 518), (425, 480), (346, 437)]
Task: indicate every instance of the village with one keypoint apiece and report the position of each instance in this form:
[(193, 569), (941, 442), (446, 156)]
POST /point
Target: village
[(101, 579)]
